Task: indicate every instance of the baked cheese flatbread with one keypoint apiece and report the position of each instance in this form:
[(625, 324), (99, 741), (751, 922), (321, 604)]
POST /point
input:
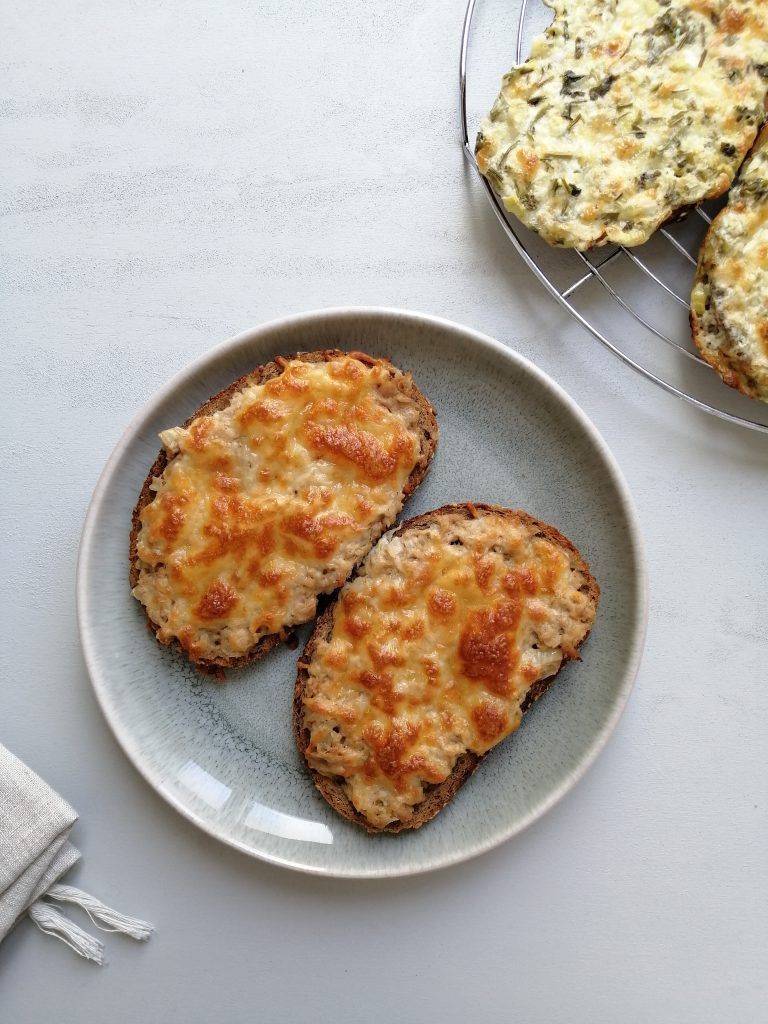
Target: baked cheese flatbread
[(729, 302), (625, 113)]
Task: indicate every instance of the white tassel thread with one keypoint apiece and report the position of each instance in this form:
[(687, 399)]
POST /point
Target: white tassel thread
[(51, 921), (112, 920)]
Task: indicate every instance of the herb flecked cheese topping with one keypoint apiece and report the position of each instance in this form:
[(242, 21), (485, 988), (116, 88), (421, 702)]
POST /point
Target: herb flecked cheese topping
[(625, 112), (729, 302), (271, 501), (433, 649)]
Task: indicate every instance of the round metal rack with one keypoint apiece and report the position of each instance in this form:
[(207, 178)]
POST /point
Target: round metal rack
[(634, 301)]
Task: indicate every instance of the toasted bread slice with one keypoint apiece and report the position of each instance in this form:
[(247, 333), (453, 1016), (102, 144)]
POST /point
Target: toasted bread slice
[(453, 626), (269, 495), (729, 300), (625, 114)]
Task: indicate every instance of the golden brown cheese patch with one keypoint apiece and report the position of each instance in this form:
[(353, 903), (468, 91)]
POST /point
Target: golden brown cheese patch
[(271, 501), (484, 609)]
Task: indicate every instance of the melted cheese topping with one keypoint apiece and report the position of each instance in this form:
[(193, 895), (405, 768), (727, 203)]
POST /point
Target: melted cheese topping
[(729, 302), (433, 648), (272, 501), (626, 111)]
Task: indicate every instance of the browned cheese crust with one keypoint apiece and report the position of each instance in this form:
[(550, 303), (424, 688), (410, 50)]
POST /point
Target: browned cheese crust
[(428, 431), (438, 795)]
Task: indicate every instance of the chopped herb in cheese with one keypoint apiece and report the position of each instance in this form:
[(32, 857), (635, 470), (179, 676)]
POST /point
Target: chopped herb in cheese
[(625, 112), (729, 302)]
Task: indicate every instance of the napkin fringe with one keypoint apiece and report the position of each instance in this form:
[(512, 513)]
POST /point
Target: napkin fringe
[(51, 921), (112, 920)]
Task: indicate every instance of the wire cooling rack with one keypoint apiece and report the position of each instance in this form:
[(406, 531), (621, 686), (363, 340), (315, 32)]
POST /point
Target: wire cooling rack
[(634, 301)]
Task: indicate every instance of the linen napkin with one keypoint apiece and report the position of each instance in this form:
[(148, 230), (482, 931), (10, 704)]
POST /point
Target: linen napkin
[(35, 852)]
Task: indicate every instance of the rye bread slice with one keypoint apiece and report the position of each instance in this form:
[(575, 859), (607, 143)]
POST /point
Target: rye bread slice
[(428, 432), (437, 796)]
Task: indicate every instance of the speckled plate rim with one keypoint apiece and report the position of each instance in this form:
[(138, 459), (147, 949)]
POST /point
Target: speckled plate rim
[(308, 320)]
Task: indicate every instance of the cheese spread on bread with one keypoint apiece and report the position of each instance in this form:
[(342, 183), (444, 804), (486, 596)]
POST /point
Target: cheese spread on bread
[(433, 648), (626, 112), (729, 302), (271, 501)]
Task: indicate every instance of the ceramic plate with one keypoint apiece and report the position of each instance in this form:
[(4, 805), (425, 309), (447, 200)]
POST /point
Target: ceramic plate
[(223, 755)]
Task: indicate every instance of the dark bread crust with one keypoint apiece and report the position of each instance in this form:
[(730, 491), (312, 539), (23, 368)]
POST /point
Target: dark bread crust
[(428, 431), (438, 796)]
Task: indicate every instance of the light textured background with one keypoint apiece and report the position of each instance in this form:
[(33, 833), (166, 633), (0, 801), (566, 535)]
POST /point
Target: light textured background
[(174, 173)]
